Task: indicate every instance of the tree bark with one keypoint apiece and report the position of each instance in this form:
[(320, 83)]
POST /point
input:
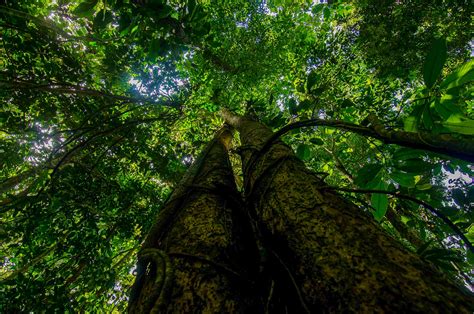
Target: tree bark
[(197, 257), (335, 256)]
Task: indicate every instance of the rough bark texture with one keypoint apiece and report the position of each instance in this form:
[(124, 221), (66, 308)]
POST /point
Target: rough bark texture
[(196, 258), (337, 258)]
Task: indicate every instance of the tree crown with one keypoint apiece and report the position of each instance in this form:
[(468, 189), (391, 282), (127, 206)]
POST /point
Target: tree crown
[(106, 103)]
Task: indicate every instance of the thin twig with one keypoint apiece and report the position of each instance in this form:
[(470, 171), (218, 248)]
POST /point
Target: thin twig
[(61, 88)]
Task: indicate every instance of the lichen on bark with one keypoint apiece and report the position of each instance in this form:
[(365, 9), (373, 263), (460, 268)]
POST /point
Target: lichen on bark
[(202, 233), (339, 259)]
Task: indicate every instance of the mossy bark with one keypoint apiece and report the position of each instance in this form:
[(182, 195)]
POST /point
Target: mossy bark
[(196, 258), (336, 257)]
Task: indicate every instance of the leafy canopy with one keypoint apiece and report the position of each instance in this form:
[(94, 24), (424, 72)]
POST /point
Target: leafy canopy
[(104, 104)]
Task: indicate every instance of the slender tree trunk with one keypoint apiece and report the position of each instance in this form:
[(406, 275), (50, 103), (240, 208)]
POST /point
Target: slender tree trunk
[(335, 256), (196, 257)]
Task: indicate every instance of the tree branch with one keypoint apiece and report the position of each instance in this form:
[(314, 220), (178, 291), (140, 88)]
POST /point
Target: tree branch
[(442, 144), (79, 90)]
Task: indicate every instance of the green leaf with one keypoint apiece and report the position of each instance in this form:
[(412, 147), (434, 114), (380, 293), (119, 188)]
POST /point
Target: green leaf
[(326, 13), (85, 8), (191, 6), (460, 124), (404, 179), (405, 153), (318, 8), (462, 75), (317, 141), (367, 174), (427, 118), (405, 219), (277, 121), (449, 211), (124, 24), (292, 106), (305, 104), (303, 152), (415, 165), (423, 187), (379, 201), (434, 62), (470, 234), (446, 106), (312, 79), (347, 103), (459, 197), (470, 257), (423, 247), (162, 11), (157, 47), (134, 29), (102, 19), (411, 123)]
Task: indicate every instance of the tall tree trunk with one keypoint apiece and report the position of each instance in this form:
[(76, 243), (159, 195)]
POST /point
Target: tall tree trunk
[(196, 257), (335, 256)]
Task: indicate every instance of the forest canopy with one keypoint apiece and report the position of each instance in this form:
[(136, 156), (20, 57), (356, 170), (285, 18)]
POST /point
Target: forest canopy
[(106, 103)]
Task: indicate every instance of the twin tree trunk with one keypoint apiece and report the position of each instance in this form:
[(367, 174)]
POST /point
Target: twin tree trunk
[(289, 246)]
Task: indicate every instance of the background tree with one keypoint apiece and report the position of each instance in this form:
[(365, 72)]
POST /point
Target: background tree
[(106, 103)]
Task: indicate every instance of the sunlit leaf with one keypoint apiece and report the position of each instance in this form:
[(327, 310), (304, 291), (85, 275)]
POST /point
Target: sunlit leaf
[(460, 124), (446, 106), (460, 76)]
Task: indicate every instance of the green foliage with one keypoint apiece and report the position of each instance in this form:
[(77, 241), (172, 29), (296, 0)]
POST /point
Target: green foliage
[(85, 8), (104, 104), (380, 202), (462, 75), (368, 176), (303, 152), (434, 62)]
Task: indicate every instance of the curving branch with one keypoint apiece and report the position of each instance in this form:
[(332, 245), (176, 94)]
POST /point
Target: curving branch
[(444, 144), (397, 194), (60, 88)]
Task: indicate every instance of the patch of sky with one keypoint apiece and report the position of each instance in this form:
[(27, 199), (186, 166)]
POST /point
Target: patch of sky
[(46, 143), (457, 175), (159, 81)]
